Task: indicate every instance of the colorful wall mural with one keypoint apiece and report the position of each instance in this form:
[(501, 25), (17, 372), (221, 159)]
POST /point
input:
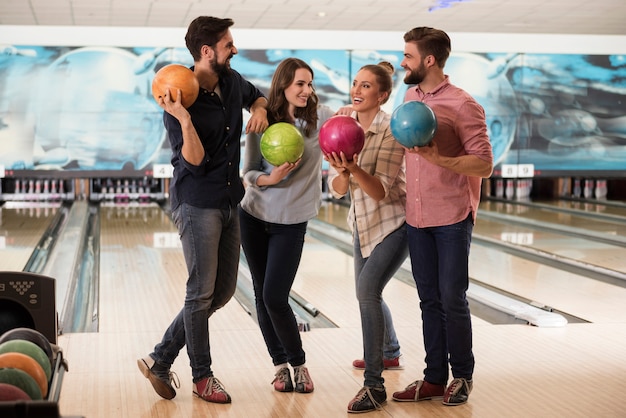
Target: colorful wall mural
[(88, 111)]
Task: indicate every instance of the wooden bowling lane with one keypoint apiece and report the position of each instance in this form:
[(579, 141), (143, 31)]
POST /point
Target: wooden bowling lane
[(606, 208), (140, 255), (521, 371), (571, 293), (22, 224), (540, 215), (595, 253), (326, 280), (329, 286), (588, 251), (576, 295)]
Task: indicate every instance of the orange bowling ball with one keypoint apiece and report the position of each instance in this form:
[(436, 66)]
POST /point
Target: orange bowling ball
[(29, 365), (174, 77), (30, 349)]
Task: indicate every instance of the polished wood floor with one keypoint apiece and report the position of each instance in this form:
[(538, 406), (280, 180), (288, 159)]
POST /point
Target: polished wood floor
[(521, 371)]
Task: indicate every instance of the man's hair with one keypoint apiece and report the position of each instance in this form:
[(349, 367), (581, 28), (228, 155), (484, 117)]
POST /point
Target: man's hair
[(431, 41), (205, 30)]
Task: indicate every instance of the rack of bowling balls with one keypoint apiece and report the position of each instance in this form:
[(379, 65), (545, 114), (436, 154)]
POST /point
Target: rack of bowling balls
[(31, 373)]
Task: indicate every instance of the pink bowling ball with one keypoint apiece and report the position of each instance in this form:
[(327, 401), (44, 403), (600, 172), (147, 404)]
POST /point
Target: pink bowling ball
[(341, 133)]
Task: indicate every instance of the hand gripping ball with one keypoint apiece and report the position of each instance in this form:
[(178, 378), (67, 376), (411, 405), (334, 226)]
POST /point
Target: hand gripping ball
[(174, 77)]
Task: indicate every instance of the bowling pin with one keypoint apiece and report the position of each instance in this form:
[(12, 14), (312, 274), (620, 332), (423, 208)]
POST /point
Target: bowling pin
[(588, 189), (577, 189), (510, 190), (38, 190), (53, 190), (499, 188), (529, 187), (601, 189), (17, 192), (565, 185)]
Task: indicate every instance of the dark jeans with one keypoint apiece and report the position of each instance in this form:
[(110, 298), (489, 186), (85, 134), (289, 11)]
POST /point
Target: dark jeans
[(439, 260), (210, 240), (372, 275), (273, 252)]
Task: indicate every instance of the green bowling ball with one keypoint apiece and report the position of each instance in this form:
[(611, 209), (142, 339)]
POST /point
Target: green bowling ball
[(282, 142), (22, 380)]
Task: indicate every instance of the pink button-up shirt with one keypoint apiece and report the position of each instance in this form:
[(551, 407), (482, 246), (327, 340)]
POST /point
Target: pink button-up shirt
[(437, 196)]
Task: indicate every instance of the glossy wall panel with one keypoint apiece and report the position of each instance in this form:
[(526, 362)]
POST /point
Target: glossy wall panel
[(89, 111)]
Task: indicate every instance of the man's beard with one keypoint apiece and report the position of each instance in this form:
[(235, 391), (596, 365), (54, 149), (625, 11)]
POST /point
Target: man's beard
[(415, 76), (222, 69)]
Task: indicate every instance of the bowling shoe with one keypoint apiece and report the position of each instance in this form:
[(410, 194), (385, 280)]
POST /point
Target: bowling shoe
[(282, 381), (457, 392), (368, 399), (160, 377), (389, 364), (420, 390), (211, 390), (304, 383)]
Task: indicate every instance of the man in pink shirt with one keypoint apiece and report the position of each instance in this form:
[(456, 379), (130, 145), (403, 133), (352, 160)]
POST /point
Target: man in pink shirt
[(443, 191)]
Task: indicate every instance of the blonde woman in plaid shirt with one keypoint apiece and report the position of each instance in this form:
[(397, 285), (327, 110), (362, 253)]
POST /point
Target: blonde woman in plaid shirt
[(375, 179)]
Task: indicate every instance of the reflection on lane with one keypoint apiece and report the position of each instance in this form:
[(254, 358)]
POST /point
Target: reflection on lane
[(585, 250), (530, 278), (22, 224), (574, 219)]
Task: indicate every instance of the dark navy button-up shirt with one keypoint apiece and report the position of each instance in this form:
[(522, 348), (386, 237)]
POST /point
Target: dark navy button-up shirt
[(215, 183)]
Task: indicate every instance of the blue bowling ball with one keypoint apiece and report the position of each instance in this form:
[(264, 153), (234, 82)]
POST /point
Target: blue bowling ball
[(413, 124)]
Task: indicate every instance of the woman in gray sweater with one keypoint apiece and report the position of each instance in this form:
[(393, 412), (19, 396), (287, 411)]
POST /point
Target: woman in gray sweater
[(278, 203)]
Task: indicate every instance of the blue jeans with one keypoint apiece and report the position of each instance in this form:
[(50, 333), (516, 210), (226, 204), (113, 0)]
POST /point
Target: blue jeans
[(439, 260), (372, 274), (211, 243), (273, 252)]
